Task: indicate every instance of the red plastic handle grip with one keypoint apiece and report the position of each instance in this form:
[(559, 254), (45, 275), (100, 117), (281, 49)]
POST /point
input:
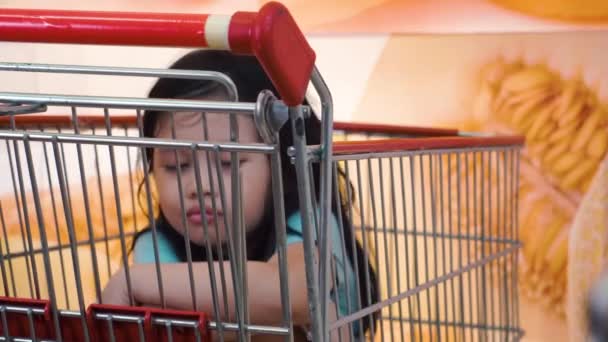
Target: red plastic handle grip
[(19, 324), (104, 28), (131, 331), (121, 331), (271, 34)]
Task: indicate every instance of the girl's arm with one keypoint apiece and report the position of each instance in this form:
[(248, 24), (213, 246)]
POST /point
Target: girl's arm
[(264, 291)]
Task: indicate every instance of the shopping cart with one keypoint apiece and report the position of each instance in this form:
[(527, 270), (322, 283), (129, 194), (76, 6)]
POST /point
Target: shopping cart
[(434, 209)]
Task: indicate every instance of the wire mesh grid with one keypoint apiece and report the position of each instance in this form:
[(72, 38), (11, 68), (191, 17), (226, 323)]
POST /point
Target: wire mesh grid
[(78, 193), (80, 167), (440, 229)]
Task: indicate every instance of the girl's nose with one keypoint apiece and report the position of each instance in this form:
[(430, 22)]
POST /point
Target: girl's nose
[(193, 191), (205, 186)]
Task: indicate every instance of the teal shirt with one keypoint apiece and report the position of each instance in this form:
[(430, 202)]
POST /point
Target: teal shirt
[(347, 296)]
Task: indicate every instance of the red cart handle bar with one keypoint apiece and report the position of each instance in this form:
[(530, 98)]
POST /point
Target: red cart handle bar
[(271, 35)]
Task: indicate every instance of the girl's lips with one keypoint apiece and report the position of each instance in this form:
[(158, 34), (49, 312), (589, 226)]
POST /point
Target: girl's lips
[(195, 215)]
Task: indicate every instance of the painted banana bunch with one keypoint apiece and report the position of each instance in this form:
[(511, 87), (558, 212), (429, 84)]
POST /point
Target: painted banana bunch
[(566, 130)]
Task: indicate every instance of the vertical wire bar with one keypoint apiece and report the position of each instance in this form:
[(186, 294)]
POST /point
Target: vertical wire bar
[(215, 217), (4, 323), (30, 321), (19, 217), (345, 258), (25, 257), (56, 221), (334, 290), (180, 189), (415, 238), (155, 249), (323, 240), (508, 237), (32, 272), (244, 278), (102, 205), (236, 219), (65, 169), (315, 221), (199, 192), (499, 223), (43, 238), (197, 334), (503, 291), (280, 231), (150, 212), (445, 238), (131, 187), (460, 249), (87, 209), (515, 233), (396, 243), (140, 330), (236, 285), (365, 244), (121, 229), (68, 190), (506, 287), (353, 243), (434, 224), (382, 226), (486, 268), (325, 180), (494, 247), (243, 262), (425, 238), (506, 242), (486, 192), (306, 212), (371, 179), (406, 252), (503, 234), (20, 214), (323, 248), (386, 245), (155, 237), (5, 288), (9, 259), (169, 327), (475, 235), (450, 241), (467, 233), (111, 329)]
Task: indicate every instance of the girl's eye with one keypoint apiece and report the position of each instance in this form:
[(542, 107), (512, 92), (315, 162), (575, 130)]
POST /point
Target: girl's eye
[(173, 168), (226, 164)]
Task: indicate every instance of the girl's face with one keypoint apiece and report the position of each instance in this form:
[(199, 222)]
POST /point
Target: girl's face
[(254, 169)]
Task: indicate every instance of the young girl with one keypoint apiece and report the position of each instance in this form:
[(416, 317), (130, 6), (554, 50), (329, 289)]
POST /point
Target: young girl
[(257, 209)]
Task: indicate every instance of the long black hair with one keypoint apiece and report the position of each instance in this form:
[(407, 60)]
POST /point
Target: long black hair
[(250, 79)]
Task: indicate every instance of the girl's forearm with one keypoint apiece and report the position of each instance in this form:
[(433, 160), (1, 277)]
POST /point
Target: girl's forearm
[(264, 295)]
